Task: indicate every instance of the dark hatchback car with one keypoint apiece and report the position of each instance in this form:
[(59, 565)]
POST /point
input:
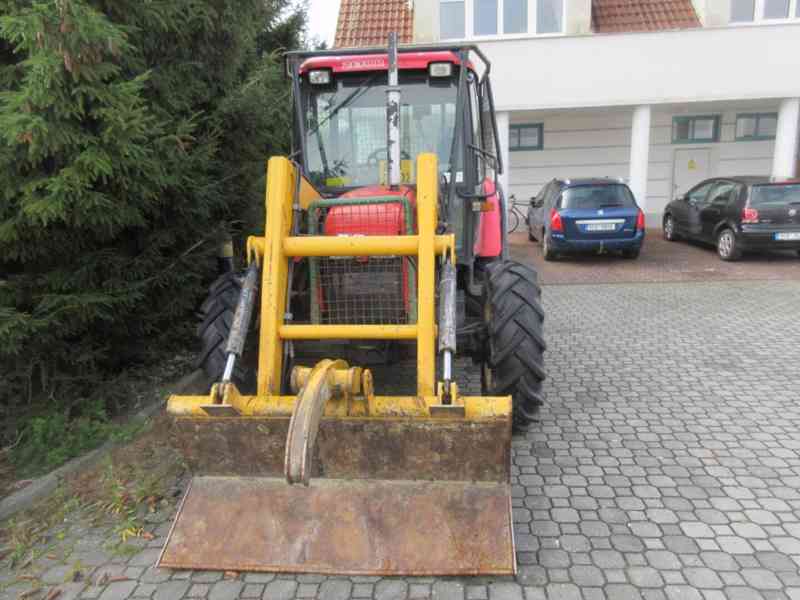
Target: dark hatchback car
[(738, 214), (596, 215)]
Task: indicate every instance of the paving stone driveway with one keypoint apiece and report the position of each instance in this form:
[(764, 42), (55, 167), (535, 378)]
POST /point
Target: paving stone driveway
[(665, 466)]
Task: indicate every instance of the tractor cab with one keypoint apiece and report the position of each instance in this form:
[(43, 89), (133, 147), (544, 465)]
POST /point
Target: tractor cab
[(445, 108)]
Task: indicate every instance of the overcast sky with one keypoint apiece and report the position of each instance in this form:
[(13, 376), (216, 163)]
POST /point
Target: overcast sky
[(322, 16)]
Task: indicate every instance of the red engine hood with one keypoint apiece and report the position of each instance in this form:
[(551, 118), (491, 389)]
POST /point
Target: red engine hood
[(379, 190)]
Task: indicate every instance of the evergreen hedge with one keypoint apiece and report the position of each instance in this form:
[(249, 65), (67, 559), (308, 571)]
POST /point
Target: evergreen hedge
[(129, 130)]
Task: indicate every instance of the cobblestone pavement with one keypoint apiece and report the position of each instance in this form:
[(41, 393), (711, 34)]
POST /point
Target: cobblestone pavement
[(665, 466), (659, 262)]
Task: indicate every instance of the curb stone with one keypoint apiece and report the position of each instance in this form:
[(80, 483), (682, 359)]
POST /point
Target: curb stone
[(42, 486)]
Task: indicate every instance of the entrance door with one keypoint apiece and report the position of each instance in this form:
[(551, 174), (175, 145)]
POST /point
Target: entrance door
[(691, 166)]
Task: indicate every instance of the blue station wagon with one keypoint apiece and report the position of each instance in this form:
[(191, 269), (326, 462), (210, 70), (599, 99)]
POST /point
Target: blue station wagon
[(586, 216)]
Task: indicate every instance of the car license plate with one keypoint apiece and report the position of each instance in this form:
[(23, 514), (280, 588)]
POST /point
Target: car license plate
[(601, 227), (789, 236)]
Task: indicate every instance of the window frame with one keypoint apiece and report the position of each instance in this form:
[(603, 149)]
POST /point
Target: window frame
[(757, 137), (517, 127), (715, 137), (532, 7), (758, 15)]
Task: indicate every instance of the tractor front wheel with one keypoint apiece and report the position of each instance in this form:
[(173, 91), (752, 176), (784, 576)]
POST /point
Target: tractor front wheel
[(514, 354), (217, 313)]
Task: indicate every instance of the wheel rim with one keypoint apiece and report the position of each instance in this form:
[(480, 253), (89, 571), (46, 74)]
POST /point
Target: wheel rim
[(545, 245), (725, 244), (668, 225)]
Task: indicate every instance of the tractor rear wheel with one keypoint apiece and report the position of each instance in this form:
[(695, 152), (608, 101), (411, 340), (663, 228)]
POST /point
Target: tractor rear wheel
[(514, 355), (217, 313)]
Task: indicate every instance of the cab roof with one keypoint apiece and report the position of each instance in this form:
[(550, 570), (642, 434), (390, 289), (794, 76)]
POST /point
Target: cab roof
[(353, 60), (377, 62)]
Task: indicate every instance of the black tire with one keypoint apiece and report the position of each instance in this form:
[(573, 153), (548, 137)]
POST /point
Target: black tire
[(668, 228), (217, 315), (547, 250), (513, 221), (727, 245), (514, 356), (631, 253)]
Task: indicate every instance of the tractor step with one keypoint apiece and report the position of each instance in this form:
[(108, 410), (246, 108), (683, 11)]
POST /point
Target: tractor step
[(353, 527)]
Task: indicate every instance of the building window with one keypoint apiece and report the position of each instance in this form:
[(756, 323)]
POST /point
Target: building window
[(756, 126), (742, 11), (459, 19), (451, 19), (526, 137), (549, 16), (691, 130), (515, 16), (749, 11), (776, 9), (485, 12)]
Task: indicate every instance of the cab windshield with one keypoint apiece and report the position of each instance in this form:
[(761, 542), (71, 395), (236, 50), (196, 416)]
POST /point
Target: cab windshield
[(345, 126)]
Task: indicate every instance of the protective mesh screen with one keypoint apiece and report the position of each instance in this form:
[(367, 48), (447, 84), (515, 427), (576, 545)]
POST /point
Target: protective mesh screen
[(363, 290), (366, 291)]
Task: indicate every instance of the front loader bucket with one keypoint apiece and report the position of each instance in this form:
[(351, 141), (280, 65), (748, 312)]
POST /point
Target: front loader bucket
[(354, 527), (388, 496)]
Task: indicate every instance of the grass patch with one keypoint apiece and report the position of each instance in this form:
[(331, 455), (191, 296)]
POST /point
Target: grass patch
[(135, 480), (54, 431)]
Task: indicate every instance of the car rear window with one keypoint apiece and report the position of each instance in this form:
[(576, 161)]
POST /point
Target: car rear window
[(597, 196), (775, 195)]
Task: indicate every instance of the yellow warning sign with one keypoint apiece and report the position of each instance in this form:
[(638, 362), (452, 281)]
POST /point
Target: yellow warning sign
[(692, 165), (406, 171)]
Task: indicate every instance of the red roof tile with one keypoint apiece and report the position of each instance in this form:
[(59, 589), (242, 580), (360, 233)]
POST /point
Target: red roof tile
[(369, 22), (642, 15)]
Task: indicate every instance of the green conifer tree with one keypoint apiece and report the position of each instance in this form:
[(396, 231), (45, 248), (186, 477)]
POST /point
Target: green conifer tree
[(129, 129)]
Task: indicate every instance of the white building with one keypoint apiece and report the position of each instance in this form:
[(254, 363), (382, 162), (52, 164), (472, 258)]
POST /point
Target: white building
[(663, 92)]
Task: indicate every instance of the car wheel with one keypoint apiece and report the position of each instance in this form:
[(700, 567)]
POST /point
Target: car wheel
[(547, 249), (727, 246), (669, 229), (631, 253)]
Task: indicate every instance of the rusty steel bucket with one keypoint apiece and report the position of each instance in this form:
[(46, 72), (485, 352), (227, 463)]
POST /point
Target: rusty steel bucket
[(387, 496)]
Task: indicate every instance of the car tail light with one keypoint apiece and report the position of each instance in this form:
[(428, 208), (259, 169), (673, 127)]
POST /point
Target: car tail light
[(749, 215), (555, 221), (640, 221)]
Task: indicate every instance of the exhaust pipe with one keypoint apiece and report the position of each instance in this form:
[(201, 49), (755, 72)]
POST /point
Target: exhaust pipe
[(393, 118)]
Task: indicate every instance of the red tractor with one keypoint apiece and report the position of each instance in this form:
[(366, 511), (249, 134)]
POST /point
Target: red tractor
[(361, 118), (385, 229)]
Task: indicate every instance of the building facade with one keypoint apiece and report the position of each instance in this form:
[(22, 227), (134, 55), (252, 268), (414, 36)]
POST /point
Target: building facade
[(663, 93)]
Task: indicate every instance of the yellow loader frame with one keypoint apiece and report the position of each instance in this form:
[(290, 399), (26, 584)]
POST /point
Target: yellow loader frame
[(277, 247), (416, 485)]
